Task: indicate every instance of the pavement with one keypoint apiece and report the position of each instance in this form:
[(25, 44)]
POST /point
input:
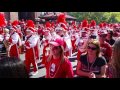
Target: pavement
[(41, 69)]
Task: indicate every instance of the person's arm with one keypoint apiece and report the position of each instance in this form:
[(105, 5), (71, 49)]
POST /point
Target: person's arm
[(80, 72), (103, 72), (33, 42), (14, 38)]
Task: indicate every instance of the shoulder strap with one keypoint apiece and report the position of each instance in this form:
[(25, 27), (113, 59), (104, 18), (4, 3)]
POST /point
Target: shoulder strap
[(28, 37), (12, 34)]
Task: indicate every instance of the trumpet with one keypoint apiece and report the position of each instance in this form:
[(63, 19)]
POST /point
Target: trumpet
[(6, 44)]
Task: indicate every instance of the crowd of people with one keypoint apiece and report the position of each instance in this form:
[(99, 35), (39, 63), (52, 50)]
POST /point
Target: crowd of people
[(97, 47)]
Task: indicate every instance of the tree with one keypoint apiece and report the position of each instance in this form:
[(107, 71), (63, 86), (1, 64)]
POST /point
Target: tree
[(109, 17)]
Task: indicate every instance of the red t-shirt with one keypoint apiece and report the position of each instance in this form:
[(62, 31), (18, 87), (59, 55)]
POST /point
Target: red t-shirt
[(56, 70), (106, 50)]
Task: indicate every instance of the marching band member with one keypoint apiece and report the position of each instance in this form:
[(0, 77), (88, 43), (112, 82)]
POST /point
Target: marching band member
[(14, 43), (73, 40), (2, 23), (2, 35), (31, 42), (62, 24), (93, 24), (73, 36), (15, 25), (84, 24), (81, 42), (46, 40), (68, 48)]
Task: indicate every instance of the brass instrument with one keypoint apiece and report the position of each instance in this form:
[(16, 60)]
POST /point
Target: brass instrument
[(22, 49), (7, 44)]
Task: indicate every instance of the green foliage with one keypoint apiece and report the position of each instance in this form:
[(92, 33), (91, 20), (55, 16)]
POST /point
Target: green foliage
[(109, 17)]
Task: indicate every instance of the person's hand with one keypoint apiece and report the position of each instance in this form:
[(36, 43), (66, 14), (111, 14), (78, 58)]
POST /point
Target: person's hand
[(27, 44), (91, 75), (23, 42)]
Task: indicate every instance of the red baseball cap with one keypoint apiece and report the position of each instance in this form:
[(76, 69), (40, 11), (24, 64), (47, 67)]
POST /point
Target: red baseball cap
[(57, 42)]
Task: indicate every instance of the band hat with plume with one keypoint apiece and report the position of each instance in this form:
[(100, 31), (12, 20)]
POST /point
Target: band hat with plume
[(30, 26), (2, 20)]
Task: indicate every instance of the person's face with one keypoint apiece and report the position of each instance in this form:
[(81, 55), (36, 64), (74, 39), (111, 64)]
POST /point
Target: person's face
[(11, 31), (91, 31), (55, 49), (60, 32), (28, 32), (102, 38), (92, 49)]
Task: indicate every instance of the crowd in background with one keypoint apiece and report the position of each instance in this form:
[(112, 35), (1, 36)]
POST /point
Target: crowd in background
[(97, 47)]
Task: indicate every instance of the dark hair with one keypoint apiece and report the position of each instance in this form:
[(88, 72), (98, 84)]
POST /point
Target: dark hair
[(12, 67), (111, 33)]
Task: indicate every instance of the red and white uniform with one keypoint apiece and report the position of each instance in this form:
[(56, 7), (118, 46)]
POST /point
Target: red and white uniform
[(31, 53), (73, 40), (45, 50), (47, 38), (37, 48), (15, 42), (81, 43), (67, 45)]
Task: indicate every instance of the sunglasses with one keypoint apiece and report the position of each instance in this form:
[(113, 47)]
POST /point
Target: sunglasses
[(92, 48)]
